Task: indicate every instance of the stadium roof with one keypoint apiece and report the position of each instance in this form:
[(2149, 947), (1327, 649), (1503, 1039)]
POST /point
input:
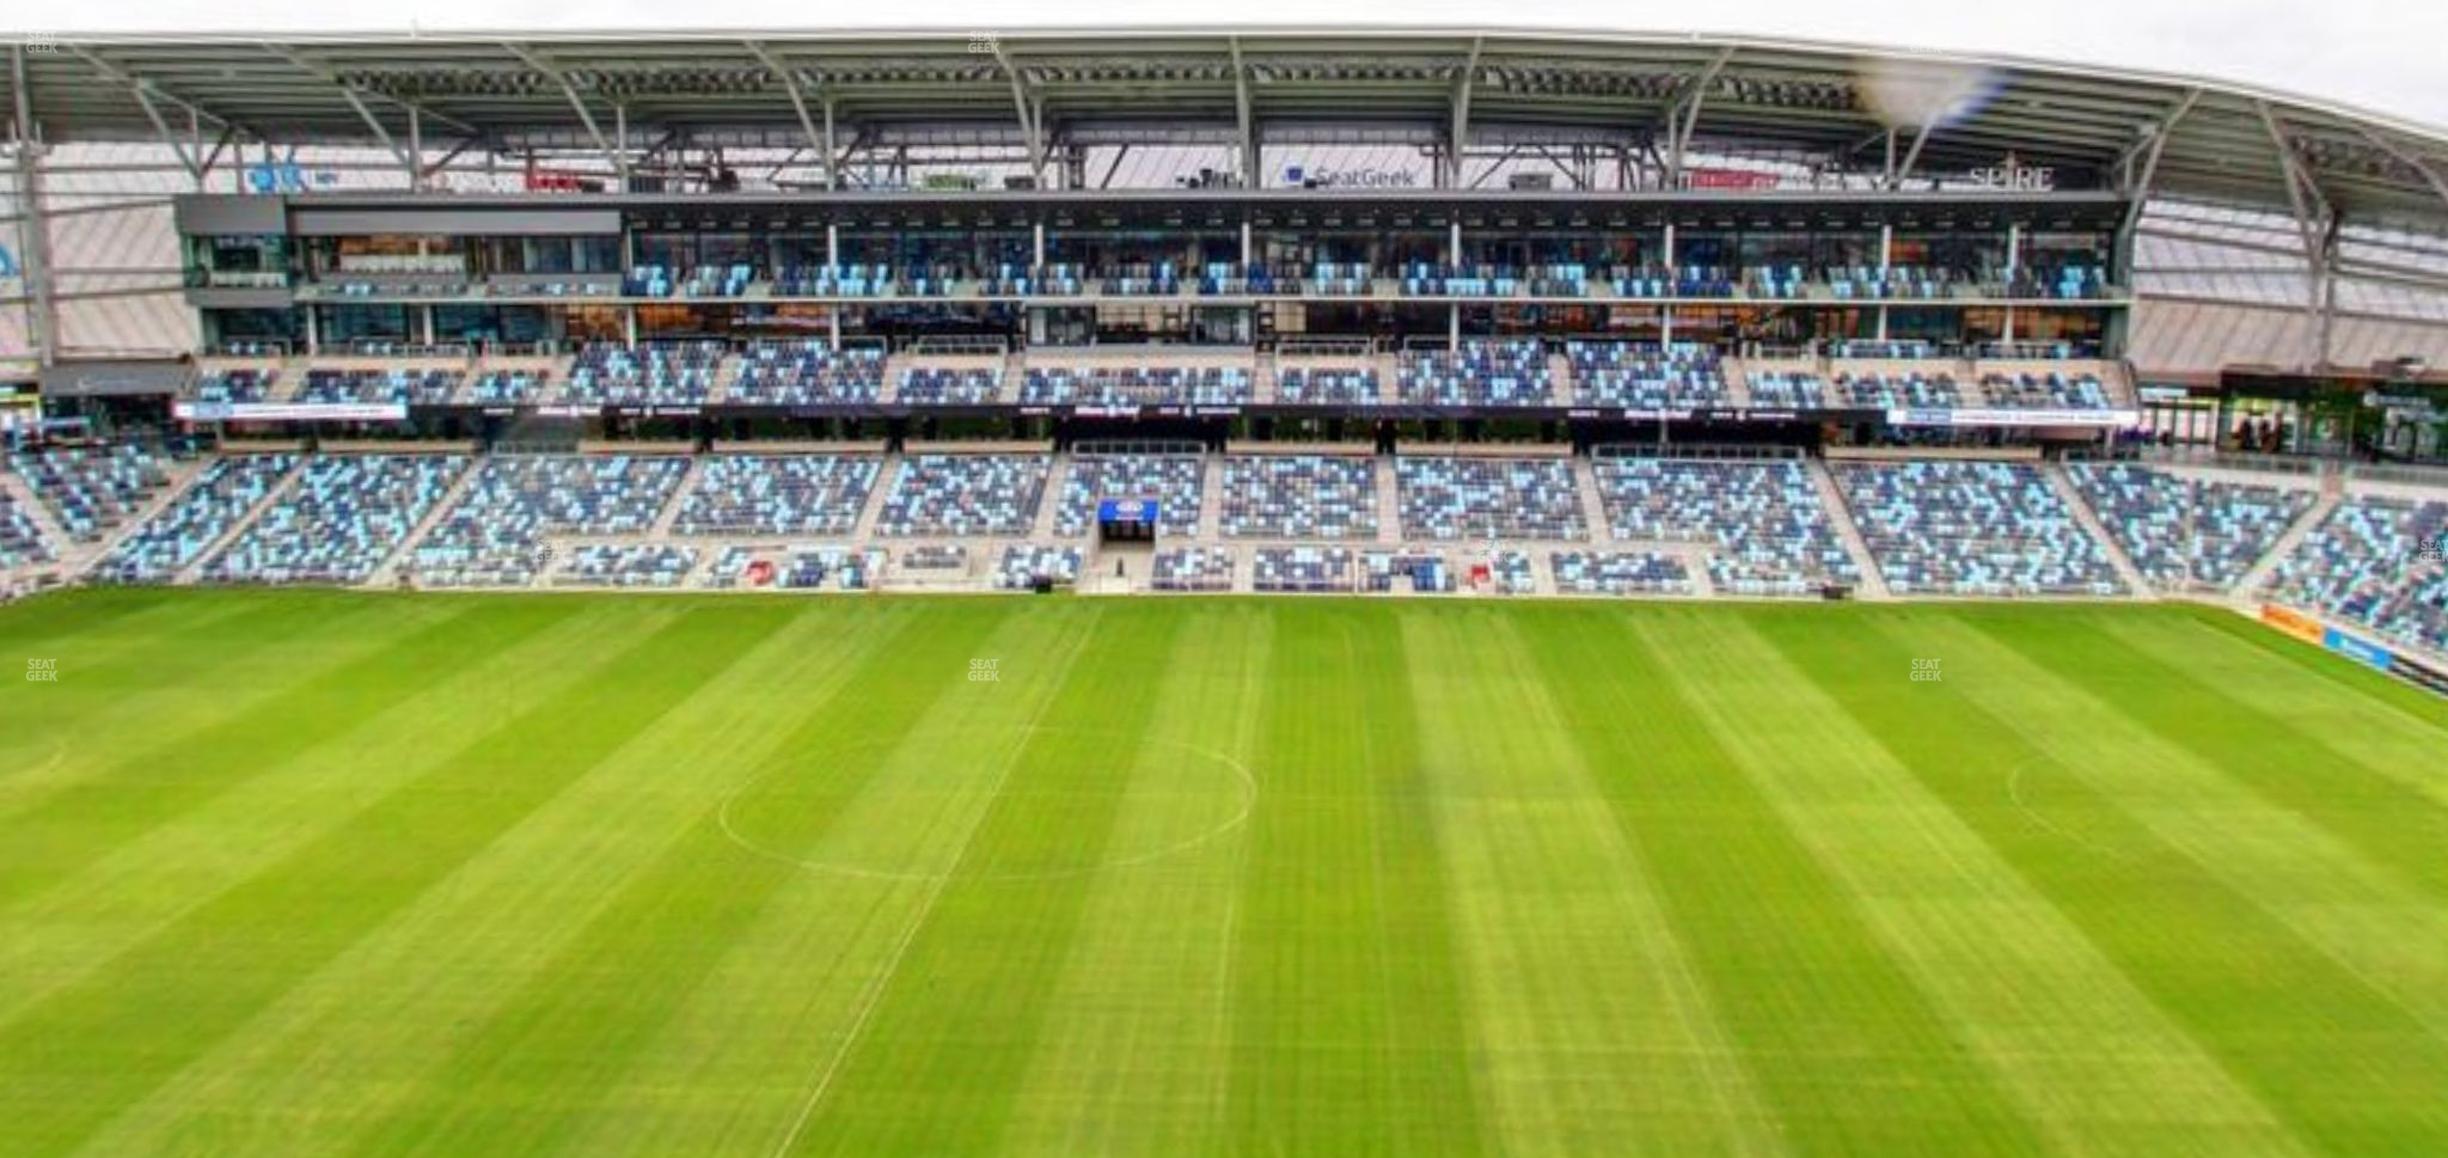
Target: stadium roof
[(1932, 112)]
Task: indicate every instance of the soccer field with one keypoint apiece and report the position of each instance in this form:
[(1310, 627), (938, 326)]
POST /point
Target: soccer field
[(313, 872)]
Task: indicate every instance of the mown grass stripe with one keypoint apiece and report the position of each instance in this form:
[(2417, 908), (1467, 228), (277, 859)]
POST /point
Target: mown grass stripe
[(1135, 1051), (135, 889), (1348, 1032), (2399, 740), (404, 994), (647, 950), (742, 1063), (85, 1053), (1553, 909), (130, 690), (2364, 808), (2010, 975), (2342, 1065), (1838, 1038), (940, 1067), (63, 832)]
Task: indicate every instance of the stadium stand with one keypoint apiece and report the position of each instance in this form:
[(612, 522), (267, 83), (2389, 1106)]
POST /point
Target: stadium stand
[(89, 492), (1417, 572), (1302, 569), (2049, 390), (1768, 533), (947, 495), (1479, 373), (20, 543), (1175, 481), (213, 503), (1023, 566), (649, 374), (1511, 573), (1073, 384), (1972, 528), (1645, 377), (237, 384), (1323, 384), (1192, 569), (2375, 560), (658, 565), (1619, 573), (494, 535), (1898, 389), (1786, 389), (757, 494), (398, 386), (2184, 532), (346, 515), (951, 382), (508, 386), (805, 373), (1299, 496), (1488, 498)]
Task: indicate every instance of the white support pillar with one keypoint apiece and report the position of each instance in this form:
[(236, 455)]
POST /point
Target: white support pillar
[(1665, 326), (833, 325), (425, 324), (1882, 322), (2008, 336), (1453, 328), (1886, 249), (35, 230), (1037, 244), (314, 330), (629, 324), (2014, 250), (1247, 248), (416, 150), (1453, 245), (833, 244), (1670, 246)]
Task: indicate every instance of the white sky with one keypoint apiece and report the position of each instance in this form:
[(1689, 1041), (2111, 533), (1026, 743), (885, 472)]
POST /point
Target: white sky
[(2387, 55)]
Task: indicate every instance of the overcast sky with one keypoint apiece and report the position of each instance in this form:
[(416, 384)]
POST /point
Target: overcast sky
[(2388, 55)]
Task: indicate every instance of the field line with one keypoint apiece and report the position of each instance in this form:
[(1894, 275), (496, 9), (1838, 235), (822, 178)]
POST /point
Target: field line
[(873, 996)]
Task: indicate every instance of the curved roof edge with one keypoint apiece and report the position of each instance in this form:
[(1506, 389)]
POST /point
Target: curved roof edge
[(2187, 135)]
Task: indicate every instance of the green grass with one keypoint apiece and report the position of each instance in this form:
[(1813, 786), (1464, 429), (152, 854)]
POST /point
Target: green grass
[(325, 873)]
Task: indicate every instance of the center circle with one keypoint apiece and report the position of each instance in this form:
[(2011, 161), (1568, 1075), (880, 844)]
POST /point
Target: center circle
[(887, 830)]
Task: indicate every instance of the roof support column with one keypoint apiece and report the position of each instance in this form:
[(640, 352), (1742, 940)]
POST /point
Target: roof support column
[(2316, 224), (2138, 184), (832, 154), (34, 222), (1251, 174), (579, 106), (1459, 126), (1682, 117), (1030, 112)]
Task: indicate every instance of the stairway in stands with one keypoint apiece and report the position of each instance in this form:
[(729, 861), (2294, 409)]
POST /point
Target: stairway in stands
[(1840, 515), (2248, 588), (278, 494), (1593, 504), (1389, 501), (662, 526), (1049, 503), (1211, 499), (451, 496), (54, 536), (2079, 507)]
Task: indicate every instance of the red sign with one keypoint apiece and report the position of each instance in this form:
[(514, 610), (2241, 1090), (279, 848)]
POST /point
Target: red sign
[(1729, 179)]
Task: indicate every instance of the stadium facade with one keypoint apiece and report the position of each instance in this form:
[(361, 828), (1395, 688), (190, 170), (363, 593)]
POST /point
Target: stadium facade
[(1320, 307)]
